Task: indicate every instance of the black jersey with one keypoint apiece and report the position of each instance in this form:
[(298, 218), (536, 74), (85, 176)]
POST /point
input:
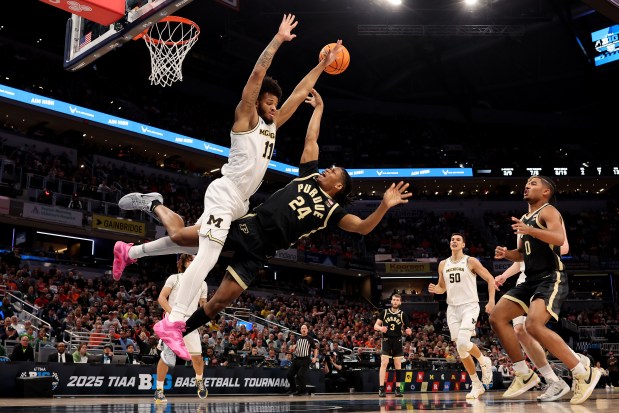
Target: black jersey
[(298, 209), (395, 321), (540, 258)]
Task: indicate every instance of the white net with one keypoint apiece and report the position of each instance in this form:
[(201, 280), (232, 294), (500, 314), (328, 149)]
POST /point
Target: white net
[(168, 42)]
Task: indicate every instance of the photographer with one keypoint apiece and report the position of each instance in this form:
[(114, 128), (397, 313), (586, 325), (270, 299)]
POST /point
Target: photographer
[(333, 365)]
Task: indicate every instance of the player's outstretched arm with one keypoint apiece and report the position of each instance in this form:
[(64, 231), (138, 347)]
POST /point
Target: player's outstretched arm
[(304, 87), (395, 195), (311, 149), (246, 114)]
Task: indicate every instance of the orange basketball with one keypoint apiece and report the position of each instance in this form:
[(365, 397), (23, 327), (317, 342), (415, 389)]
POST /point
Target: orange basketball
[(341, 61)]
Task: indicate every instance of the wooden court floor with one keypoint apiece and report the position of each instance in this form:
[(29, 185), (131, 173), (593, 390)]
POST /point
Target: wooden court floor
[(491, 402)]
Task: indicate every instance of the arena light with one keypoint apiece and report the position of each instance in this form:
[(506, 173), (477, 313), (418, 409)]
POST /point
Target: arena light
[(92, 241)]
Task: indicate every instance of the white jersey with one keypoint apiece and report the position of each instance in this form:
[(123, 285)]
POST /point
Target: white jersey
[(250, 154), (173, 282), (460, 281)]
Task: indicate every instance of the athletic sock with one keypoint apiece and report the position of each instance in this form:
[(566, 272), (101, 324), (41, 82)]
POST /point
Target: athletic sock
[(579, 369), (197, 319), (177, 314), (161, 246), (521, 367), (548, 373), (153, 204)]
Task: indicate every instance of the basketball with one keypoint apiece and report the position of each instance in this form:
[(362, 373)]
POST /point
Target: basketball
[(341, 61)]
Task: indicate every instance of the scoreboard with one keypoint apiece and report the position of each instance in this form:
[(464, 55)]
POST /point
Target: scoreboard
[(553, 171)]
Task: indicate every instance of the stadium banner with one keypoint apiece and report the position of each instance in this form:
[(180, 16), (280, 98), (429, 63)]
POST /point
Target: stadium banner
[(50, 213), (321, 259), (406, 267), (290, 254), (133, 379), (124, 226), (5, 205)]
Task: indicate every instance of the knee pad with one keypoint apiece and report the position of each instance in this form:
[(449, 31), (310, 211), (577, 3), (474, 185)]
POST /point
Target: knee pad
[(464, 345)]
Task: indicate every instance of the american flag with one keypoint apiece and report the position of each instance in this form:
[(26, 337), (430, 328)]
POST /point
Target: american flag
[(86, 39)]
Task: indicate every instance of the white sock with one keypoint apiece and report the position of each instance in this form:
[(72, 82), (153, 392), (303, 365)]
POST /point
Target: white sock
[(159, 385), (521, 367), (198, 376), (161, 246), (475, 379), (548, 373), (483, 359), (177, 314), (579, 369)]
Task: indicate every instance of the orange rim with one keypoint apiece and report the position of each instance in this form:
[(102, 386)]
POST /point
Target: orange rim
[(176, 19)]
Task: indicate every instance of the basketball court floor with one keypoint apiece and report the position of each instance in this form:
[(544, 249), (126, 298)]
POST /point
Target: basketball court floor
[(491, 402)]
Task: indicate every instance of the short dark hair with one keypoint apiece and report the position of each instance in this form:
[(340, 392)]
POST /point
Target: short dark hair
[(551, 185), (270, 85), (460, 235)]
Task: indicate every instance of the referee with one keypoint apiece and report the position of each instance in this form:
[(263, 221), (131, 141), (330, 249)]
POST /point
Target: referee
[(298, 369)]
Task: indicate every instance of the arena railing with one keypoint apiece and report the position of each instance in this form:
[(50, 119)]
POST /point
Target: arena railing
[(594, 333), (29, 312), (75, 338), (93, 201), (608, 347)]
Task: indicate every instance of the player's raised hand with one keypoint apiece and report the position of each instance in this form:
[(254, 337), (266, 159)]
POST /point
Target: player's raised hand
[(500, 252), (332, 53), (520, 227), (396, 194), (287, 26), (314, 99)]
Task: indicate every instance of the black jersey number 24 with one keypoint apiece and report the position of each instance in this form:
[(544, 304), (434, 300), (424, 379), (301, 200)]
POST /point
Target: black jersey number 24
[(454, 277)]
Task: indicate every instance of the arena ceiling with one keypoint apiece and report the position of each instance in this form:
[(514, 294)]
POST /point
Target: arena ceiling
[(506, 62)]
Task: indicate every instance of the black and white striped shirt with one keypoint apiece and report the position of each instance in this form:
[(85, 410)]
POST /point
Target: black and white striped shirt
[(304, 345)]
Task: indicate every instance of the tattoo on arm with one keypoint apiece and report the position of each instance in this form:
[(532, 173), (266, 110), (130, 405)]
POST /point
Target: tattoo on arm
[(266, 57), (253, 96)]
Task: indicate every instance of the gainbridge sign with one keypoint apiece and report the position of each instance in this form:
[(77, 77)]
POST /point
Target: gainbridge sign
[(406, 267), (123, 226)]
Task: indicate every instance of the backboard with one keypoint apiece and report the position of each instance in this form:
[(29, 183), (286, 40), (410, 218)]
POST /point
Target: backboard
[(86, 41)]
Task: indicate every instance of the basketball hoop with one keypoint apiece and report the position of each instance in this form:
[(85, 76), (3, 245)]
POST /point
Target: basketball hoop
[(168, 42)]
